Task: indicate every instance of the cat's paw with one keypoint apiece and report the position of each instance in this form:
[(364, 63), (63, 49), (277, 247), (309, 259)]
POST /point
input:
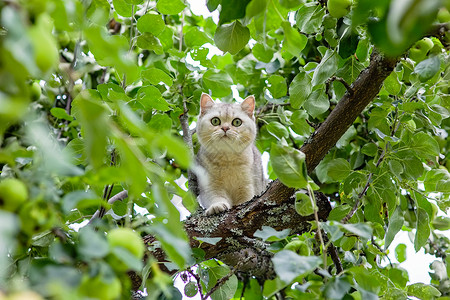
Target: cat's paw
[(217, 207)]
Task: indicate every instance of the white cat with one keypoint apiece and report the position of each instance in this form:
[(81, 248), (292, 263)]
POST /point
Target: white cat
[(230, 171)]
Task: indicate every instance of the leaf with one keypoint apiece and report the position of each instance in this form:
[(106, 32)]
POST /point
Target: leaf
[(92, 244), (61, 113), (160, 122), (309, 18), (338, 169), (231, 37), (294, 42), (423, 291), (277, 130), (123, 8), (395, 224), (277, 86), (299, 89), (303, 204), (208, 240), (232, 10), (288, 265), (336, 288), (391, 84), (155, 76), (289, 165), (170, 7), (217, 82), (271, 235), (317, 103), (427, 68), (151, 23), (177, 149), (149, 97), (424, 145), (150, 42), (348, 44), (262, 52), (423, 229), (225, 291), (194, 37), (327, 67), (360, 229)]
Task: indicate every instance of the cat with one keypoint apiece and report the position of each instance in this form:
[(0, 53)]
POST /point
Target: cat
[(229, 166)]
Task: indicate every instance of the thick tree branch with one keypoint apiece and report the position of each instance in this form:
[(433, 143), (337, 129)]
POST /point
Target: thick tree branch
[(276, 206)]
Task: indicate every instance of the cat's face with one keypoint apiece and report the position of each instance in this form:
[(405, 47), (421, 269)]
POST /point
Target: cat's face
[(226, 128)]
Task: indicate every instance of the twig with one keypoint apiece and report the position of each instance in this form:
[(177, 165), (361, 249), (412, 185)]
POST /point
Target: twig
[(319, 230), (187, 138), (335, 258), (341, 80), (118, 197), (381, 250), (199, 284), (224, 279)]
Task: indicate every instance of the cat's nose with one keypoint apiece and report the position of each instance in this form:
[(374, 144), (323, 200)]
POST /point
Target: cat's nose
[(225, 128)]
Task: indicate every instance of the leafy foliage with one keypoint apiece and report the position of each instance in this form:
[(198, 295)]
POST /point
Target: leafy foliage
[(91, 94)]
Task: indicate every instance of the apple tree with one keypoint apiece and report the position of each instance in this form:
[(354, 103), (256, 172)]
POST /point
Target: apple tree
[(98, 104)]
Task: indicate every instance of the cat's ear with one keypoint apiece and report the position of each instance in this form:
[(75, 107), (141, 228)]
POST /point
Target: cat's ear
[(205, 103), (248, 105)]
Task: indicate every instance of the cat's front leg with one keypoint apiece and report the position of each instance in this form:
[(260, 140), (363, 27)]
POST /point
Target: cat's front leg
[(214, 204)]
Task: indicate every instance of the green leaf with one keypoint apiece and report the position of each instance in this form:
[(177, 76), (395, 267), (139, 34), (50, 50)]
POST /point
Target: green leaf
[(395, 224), (327, 67), (299, 89), (441, 223), (177, 149), (151, 23), (95, 122), (255, 8), (294, 42), (194, 37), (288, 265), (277, 130), (337, 288), (303, 204), (360, 229), (391, 84), (155, 76), (123, 8), (208, 240), (60, 113), (262, 52), (225, 291), (232, 10), (348, 44), (120, 208), (150, 98), (219, 83), (160, 122), (150, 42), (427, 68), (424, 145), (170, 7), (231, 37), (92, 244), (317, 103), (277, 86), (423, 291), (271, 235), (289, 165), (338, 169), (423, 229), (309, 18)]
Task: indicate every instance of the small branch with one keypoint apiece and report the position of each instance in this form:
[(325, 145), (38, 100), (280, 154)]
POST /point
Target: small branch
[(118, 197), (332, 251), (224, 279), (341, 80), (187, 138), (319, 230), (313, 125)]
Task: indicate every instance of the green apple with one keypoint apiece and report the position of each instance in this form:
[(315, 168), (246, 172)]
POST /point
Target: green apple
[(339, 8), (35, 91), (13, 193), (299, 247), (100, 288), (128, 239), (443, 15), (44, 44), (420, 49)]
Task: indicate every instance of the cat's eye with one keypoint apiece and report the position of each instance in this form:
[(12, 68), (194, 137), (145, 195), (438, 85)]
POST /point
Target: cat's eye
[(215, 121), (236, 122)]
